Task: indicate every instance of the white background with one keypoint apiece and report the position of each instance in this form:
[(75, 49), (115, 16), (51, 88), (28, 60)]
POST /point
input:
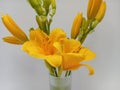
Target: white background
[(18, 71)]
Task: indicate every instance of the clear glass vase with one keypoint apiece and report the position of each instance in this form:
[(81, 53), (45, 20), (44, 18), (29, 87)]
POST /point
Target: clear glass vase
[(60, 83)]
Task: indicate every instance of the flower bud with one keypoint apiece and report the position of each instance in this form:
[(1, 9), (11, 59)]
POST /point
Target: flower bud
[(12, 40), (13, 28), (42, 22), (53, 4), (93, 7), (76, 25), (53, 10), (46, 5), (37, 5), (101, 12)]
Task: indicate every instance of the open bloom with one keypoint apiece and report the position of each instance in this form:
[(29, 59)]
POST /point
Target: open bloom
[(73, 54), (57, 50), (41, 46)]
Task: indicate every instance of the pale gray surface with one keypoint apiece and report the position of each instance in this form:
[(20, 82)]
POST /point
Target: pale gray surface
[(18, 71)]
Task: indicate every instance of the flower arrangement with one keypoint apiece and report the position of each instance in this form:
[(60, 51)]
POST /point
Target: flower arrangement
[(59, 52)]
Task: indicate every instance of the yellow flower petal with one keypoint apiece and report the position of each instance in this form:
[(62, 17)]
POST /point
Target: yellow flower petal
[(71, 60), (67, 46), (58, 46), (57, 34), (38, 35), (72, 67), (42, 40), (70, 45), (54, 60), (12, 40), (87, 54), (32, 35), (33, 49), (90, 68)]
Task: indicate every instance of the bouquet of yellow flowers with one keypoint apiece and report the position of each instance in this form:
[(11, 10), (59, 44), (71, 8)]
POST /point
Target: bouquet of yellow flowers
[(59, 52)]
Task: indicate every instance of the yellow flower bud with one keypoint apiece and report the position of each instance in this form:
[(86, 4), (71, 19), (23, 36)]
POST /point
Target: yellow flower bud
[(76, 25), (93, 7), (13, 28), (101, 12), (12, 40)]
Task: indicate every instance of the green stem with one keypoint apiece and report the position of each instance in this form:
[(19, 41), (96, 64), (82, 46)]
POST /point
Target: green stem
[(87, 29), (95, 24), (83, 38), (67, 73), (87, 24), (55, 72)]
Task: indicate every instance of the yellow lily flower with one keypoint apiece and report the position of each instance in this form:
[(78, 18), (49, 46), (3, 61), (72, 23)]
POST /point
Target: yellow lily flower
[(41, 46), (93, 7), (14, 29), (73, 54)]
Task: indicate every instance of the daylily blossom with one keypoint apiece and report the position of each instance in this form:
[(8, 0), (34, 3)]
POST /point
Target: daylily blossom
[(41, 46), (73, 54), (57, 50)]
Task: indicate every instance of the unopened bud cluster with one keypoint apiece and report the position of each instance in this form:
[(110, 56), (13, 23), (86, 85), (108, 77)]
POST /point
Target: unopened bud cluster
[(83, 26), (45, 10)]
